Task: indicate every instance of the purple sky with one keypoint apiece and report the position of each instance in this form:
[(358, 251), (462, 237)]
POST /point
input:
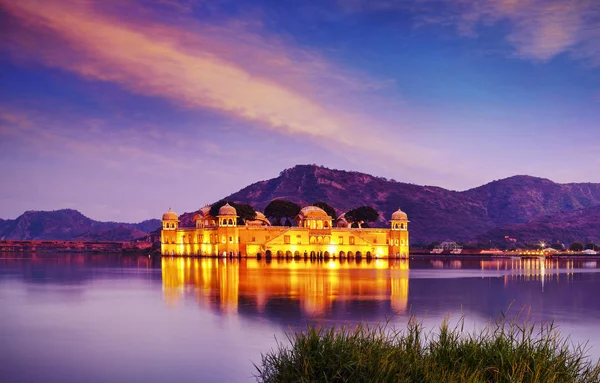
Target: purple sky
[(124, 108)]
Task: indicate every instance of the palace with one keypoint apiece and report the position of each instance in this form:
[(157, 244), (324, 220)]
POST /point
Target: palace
[(316, 235)]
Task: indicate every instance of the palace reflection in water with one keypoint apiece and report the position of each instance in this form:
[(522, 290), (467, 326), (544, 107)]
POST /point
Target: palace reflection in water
[(358, 290), (315, 285)]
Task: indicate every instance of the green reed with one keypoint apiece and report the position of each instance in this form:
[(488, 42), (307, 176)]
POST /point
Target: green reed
[(505, 351)]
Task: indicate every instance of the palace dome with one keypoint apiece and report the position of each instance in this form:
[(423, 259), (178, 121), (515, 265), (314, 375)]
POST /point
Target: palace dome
[(260, 220), (203, 213), (312, 212), (227, 209), (341, 220), (170, 215), (399, 215)]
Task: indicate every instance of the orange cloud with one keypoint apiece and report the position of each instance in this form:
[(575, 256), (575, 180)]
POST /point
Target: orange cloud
[(223, 68)]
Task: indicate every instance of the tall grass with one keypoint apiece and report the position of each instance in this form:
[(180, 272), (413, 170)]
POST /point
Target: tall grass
[(505, 351)]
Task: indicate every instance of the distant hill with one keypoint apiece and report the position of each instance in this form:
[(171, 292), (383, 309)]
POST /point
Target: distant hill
[(68, 224), (519, 199), (435, 213), (579, 225), (526, 208), (117, 234)]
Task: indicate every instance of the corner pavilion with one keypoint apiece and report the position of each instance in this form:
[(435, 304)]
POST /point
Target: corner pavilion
[(316, 235)]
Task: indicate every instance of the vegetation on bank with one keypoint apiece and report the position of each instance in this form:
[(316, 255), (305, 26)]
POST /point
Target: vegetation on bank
[(506, 351)]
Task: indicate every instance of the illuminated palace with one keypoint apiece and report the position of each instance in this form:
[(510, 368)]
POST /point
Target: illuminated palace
[(316, 234)]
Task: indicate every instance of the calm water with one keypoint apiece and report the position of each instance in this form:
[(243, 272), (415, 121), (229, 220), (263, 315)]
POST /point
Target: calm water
[(99, 318)]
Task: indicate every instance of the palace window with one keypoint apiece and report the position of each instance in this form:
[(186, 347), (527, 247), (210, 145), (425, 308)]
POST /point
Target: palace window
[(396, 242), (253, 239), (286, 239), (352, 240), (230, 239), (223, 239), (299, 239), (340, 240)]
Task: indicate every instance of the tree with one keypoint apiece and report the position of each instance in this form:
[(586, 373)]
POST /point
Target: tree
[(557, 246), (245, 212), (280, 208), (576, 246), (361, 214), (328, 209), (591, 246)]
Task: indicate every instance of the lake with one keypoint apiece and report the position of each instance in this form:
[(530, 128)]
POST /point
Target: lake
[(112, 318)]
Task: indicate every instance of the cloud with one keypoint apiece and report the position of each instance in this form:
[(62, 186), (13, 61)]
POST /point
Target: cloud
[(233, 67), (51, 135), (538, 29)]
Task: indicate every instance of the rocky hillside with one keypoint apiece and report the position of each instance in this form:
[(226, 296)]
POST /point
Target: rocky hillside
[(435, 213), (118, 234), (70, 224), (521, 198), (579, 225)]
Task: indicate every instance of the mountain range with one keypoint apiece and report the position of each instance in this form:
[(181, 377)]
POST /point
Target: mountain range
[(525, 208), (69, 224)]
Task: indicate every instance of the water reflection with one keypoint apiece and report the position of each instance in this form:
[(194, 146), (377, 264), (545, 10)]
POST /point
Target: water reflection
[(315, 285), (291, 291)]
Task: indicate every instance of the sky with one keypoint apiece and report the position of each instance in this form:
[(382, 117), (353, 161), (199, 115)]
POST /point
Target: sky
[(123, 108)]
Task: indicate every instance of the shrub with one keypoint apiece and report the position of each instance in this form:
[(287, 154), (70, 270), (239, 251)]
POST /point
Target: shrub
[(502, 352)]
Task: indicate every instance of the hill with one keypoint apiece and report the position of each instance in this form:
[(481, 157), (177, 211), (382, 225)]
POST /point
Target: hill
[(116, 234), (67, 224), (519, 199), (523, 207), (435, 213), (579, 225)]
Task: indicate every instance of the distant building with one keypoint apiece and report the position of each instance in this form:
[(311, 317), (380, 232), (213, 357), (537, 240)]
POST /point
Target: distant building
[(314, 236)]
